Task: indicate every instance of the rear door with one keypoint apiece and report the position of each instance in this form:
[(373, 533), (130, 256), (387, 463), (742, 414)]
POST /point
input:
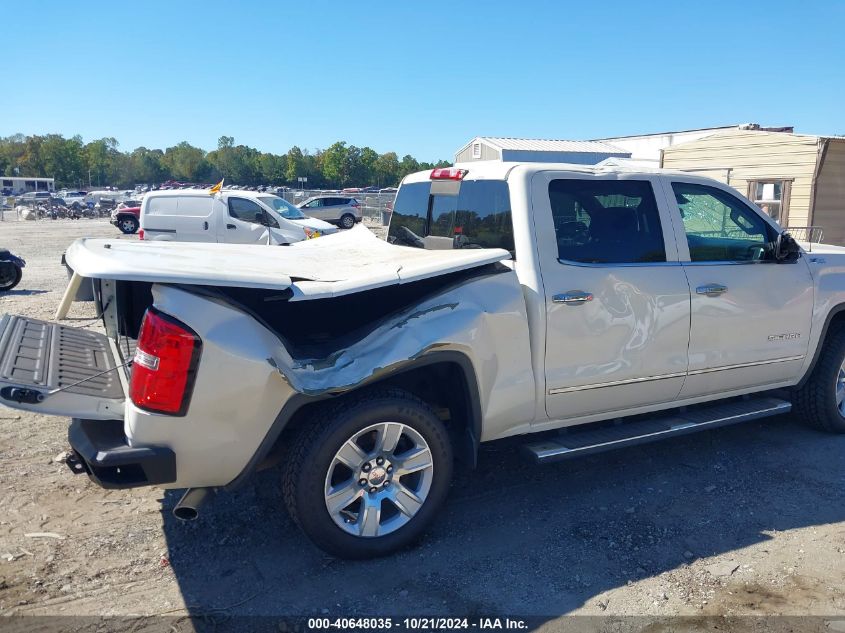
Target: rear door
[(59, 370), (616, 298)]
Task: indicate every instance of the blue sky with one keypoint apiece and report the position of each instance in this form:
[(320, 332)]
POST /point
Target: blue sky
[(420, 78)]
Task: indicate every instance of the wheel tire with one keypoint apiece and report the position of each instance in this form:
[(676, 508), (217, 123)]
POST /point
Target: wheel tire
[(312, 460), (816, 400), (127, 225), (10, 276), (347, 221)]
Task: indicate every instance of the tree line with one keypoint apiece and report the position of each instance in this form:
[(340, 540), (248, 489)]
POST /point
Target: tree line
[(99, 163)]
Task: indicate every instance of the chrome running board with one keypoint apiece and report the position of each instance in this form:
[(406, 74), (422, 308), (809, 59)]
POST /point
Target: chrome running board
[(595, 439)]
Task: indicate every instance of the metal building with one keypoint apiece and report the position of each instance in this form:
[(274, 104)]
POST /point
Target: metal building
[(537, 151), (15, 185)]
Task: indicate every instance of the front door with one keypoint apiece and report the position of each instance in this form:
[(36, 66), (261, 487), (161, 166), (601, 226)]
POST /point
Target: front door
[(616, 298), (750, 321), (243, 224), (315, 209)]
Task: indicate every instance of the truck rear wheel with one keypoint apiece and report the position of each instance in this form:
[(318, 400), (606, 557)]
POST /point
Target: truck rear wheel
[(821, 400), (367, 477), (347, 221)]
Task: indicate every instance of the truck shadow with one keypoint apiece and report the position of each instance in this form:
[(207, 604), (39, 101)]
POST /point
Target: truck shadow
[(516, 538)]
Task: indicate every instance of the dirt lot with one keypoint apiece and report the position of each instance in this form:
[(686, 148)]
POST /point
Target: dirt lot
[(742, 520)]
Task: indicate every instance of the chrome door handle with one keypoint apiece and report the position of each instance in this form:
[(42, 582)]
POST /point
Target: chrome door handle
[(712, 290), (575, 297)]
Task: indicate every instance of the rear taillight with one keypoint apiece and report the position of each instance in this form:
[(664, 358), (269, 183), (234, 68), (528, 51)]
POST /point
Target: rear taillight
[(355, 204), (165, 364), (141, 234), (448, 173)]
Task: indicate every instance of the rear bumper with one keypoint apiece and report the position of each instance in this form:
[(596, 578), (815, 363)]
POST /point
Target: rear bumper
[(100, 446)]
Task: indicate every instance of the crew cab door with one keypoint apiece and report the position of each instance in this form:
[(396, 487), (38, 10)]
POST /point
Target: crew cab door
[(59, 370), (616, 298), (750, 320)]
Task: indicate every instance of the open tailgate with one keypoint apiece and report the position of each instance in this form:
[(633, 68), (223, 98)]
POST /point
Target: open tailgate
[(58, 370)]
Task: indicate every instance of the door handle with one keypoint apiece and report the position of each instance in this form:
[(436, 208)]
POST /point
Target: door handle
[(205, 226), (573, 297), (712, 290), (230, 226)]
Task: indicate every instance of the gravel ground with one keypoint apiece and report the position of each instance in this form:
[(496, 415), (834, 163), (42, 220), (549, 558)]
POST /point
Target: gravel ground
[(746, 520)]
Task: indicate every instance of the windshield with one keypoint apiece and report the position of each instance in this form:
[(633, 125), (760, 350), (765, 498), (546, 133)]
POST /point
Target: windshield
[(283, 207)]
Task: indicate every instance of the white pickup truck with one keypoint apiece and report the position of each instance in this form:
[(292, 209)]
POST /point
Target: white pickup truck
[(584, 308)]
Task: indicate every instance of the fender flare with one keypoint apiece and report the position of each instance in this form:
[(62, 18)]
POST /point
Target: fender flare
[(294, 404), (828, 319)]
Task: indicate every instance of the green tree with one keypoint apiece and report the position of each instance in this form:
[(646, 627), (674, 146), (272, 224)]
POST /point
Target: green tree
[(294, 164), (387, 169), (334, 165), (186, 162), (147, 166), (408, 166), (62, 159), (99, 159)]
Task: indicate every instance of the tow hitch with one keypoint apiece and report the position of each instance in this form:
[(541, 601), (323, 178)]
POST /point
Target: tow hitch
[(75, 463)]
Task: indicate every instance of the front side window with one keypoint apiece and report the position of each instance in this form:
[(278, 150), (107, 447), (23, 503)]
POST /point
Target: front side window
[(720, 227), (313, 204), (246, 210), (476, 215), (606, 221), (772, 196)]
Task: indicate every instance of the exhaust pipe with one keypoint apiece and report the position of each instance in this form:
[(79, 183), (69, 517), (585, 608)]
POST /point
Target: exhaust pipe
[(188, 507)]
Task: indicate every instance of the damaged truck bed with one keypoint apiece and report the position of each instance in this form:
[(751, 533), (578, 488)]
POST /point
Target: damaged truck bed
[(330, 266)]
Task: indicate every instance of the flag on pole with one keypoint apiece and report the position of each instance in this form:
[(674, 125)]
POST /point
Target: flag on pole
[(216, 188)]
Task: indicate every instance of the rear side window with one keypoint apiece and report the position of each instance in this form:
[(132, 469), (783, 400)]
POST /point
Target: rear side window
[(606, 221), (478, 216)]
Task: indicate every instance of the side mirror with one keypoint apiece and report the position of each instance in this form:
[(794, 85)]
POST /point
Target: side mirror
[(786, 249), (260, 218)]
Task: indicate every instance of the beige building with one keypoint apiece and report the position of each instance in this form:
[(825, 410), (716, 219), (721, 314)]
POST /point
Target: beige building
[(799, 179)]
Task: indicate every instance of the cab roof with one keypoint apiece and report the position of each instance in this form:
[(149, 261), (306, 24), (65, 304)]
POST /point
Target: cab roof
[(500, 170)]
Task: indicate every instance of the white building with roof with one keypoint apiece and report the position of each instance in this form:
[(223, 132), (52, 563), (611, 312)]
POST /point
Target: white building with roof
[(537, 151), (648, 147)]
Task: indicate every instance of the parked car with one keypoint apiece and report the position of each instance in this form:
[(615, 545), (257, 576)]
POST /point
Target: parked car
[(127, 218), (583, 308), (73, 199), (34, 198), (341, 210), (233, 217)]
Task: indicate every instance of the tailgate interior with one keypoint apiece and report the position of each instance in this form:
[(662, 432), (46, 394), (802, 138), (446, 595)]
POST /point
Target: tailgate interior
[(44, 357)]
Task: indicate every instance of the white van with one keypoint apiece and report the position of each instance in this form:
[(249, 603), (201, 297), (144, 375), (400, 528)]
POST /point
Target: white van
[(231, 217)]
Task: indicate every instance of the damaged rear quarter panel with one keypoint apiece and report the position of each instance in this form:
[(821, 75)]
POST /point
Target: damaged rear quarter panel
[(246, 375), (483, 318)]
